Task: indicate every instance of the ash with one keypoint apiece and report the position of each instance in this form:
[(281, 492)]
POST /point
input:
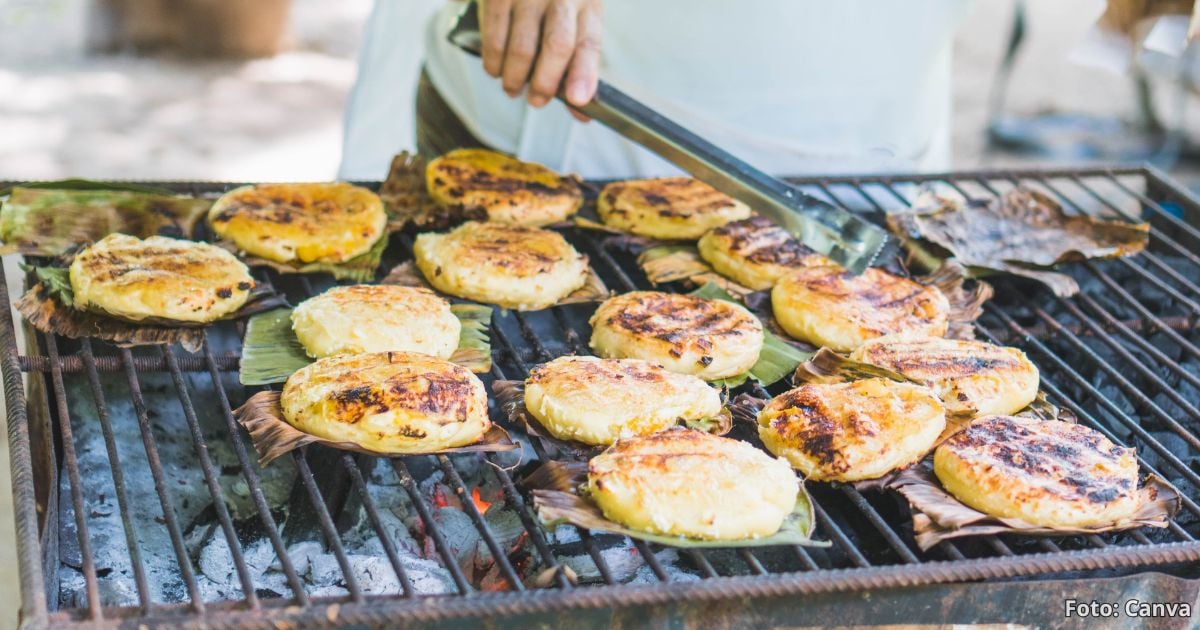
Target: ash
[(208, 550)]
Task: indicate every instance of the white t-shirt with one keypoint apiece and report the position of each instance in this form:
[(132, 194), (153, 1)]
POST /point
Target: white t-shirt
[(793, 87)]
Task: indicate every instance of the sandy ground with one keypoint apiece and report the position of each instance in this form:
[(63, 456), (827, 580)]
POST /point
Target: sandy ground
[(63, 113)]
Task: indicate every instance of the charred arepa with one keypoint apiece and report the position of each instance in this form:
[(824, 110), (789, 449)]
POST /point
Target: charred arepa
[(597, 401), (376, 318), (852, 431), (159, 277), (678, 208), (971, 377), (711, 339), (388, 402), (1049, 473), (305, 223), (514, 266), (505, 188), (831, 307), (756, 252), (689, 483)]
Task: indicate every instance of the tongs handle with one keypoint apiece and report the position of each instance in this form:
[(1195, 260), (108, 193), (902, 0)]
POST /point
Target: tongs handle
[(824, 227)]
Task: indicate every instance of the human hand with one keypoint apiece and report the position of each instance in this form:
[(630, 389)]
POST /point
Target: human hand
[(540, 43)]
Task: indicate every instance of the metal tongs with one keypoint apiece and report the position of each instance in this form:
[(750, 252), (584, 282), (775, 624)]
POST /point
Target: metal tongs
[(831, 230)]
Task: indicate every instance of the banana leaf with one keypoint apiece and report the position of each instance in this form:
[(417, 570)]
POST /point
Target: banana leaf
[(407, 201), (272, 436), (559, 498), (1022, 232), (271, 352), (938, 516), (777, 359), (52, 218), (672, 263)]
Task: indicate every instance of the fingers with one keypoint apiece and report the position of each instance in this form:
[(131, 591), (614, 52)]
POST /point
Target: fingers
[(523, 35), (584, 72), (557, 47), (494, 16)]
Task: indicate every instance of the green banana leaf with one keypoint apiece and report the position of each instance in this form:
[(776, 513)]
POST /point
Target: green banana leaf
[(271, 352), (778, 357)]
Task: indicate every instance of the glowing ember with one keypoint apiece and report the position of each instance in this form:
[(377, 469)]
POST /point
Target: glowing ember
[(479, 502)]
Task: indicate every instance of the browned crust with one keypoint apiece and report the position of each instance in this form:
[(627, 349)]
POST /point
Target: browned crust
[(683, 321), (759, 240)]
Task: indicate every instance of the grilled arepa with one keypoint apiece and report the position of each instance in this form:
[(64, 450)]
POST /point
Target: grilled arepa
[(711, 339), (852, 431), (319, 222), (689, 483), (505, 188), (678, 208), (755, 252), (388, 402), (376, 318), (1048, 473), (514, 266), (971, 377), (597, 401), (831, 307), (134, 279)]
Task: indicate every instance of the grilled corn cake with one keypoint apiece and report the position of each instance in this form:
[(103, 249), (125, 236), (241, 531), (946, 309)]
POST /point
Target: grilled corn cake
[(1049, 473), (755, 252), (678, 208), (829, 306), (852, 431), (596, 401), (711, 339), (689, 483), (971, 377), (505, 188), (387, 402), (514, 266), (160, 277), (318, 222), (376, 318)]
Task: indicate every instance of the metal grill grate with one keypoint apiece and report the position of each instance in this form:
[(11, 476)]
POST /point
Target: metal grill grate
[(134, 484)]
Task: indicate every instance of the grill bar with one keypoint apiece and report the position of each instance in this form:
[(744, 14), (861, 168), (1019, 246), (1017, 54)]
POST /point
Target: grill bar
[(1121, 356)]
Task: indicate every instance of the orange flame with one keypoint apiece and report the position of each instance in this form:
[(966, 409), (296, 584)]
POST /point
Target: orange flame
[(479, 502)]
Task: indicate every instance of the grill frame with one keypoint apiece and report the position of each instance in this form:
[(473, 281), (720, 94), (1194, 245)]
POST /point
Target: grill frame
[(907, 570)]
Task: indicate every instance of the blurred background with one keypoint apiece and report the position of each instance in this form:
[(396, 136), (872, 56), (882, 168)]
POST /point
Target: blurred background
[(227, 89), (254, 91)]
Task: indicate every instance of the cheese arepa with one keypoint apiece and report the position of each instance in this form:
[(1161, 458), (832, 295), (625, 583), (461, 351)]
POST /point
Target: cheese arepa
[(387, 402), (756, 252), (1044, 472), (376, 318), (317, 222), (852, 431), (597, 401), (514, 266), (971, 377), (711, 339), (672, 208), (505, 188), (160, 277), (831, 307), (689, 483)]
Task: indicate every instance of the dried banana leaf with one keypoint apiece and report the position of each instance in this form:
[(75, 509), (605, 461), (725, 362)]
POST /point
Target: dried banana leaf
[(777, 359), (407, 201), (271, 352), (272, 436), (966, 305), (43, 221), (510, 397), (407, 274), (559, 498), (672, 263), (49, 307), (1022, 232), (361, 268), (938, 516)]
